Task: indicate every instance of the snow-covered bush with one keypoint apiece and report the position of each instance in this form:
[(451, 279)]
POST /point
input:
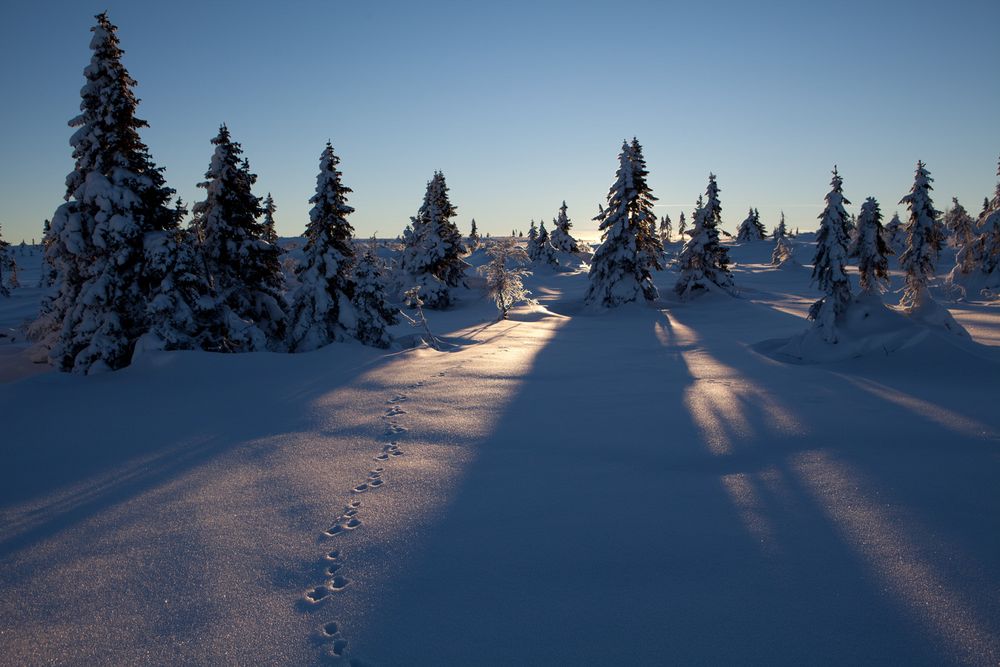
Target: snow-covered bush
[(504, 275)]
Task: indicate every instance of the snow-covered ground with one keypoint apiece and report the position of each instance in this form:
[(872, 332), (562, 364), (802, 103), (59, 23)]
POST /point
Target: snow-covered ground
[(652, 485)]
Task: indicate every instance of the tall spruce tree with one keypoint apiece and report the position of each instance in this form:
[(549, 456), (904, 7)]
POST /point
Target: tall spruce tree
[(830, 263), (923, 239), (321, 306), (242, 267), (704, 261), (648, 243), (873, 265), (620, 270), (562, 239), (681, 226), (115, 195), (432, 257), (270, 234)]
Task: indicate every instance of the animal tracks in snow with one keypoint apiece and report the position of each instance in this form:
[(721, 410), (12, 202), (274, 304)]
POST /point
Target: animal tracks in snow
[(349, 520)]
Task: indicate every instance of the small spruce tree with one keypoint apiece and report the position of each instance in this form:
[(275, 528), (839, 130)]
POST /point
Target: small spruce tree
[(873, 265), (923, 239), (704, 261), (474, 239), (532, 247), (432, 257), (545, 252), (562, 240), (681, 226), (374, 313), (666, 228)]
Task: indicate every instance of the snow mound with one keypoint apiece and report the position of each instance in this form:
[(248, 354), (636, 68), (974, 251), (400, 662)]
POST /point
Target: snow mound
[(867, 327)]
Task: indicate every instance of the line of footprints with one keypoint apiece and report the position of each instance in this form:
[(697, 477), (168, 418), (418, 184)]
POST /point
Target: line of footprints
[(348, 520)]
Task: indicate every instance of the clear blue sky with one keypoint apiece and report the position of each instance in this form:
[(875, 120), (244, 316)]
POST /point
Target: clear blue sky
[(523, 104)]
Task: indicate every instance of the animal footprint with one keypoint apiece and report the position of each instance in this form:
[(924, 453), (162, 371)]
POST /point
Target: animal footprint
[(338, 648), (332, 568), (328, 629), (395, 429), (317, 595), (333, 555), (398, 398), (395, 410), (338, 583)]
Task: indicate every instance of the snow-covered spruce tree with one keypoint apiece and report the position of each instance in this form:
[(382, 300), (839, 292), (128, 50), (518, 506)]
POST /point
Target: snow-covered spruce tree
[(620, 270), (782, 254), (988, 244), (704, 262), (648, 243), (960, 225), (751, 228), (830, 263), (474, 239), (270, 235), (243, 269), (182, 311), (432, 257), (895, 235), (504, 275), (545, 252), (562, 240), (968, 243), (115, 195), (6, 259), (373, 312), (781, 231), (873, 265), (681, 226), (666, 228), (532, 246), (321, 310), (923, 239)]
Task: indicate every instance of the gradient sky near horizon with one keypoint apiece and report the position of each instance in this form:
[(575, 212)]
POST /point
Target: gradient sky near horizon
[(523, 104)]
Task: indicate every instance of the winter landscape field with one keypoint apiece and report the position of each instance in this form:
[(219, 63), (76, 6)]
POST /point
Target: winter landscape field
[(291, 413), (571, 488)]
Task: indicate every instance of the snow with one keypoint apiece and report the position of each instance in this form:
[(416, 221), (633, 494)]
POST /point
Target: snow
[(653, 484)]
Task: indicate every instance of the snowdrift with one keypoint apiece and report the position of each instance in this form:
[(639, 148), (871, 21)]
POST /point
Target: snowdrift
[(869, 327)]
